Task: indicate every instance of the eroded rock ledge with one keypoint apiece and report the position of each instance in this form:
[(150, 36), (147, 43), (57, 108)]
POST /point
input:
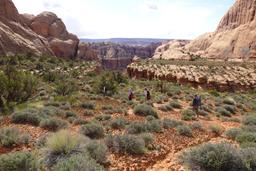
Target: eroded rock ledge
[(223, 77)]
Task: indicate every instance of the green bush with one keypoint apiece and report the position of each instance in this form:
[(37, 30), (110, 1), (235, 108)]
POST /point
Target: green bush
[(118, 123), (62, 142), (18, 161), (9, 137), (88, 113), (197, 126), (249, 159), (16, 86), (223, 111), (213, 157), (137, 128), (148, 139), (108, 81), (188, 115), (80, 162), (29, 116), (145, 110), (216, 129), (97, 151), (53, 124), (184, 130), (169, 123), (250, 120), (69, 114), (79, 121), (232, 109), (92, 130), (88, 105), (65, 87), (175, 104), (126, 144), (247, 139), (154, 126), (166, 108), (233, 133)]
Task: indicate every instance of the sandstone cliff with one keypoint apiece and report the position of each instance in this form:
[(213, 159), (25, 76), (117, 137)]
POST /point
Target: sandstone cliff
[(234, 38), (16, 37)]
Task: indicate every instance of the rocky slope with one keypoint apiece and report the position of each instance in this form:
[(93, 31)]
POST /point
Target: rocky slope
[(17, 37), (115, 56), (234, 37)]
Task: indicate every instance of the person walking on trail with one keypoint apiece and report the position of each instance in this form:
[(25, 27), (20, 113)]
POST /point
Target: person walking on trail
[(130, 95), (196, 104), (147, 94)]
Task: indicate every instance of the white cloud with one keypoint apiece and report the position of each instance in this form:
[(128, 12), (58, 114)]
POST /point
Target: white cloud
[(144, 18)]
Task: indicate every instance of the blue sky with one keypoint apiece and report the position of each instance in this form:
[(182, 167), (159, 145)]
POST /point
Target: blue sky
[(179, 19)]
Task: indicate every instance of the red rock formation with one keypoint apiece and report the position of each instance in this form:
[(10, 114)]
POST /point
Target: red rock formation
[(48, 25), (15, 36), (234, 38)]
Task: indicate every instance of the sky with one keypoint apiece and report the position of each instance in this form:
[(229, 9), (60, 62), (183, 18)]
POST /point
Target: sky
[(171, 19)]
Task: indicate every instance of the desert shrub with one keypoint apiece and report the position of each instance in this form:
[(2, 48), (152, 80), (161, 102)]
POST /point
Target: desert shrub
[(108, 81), (148, 138), (65, 87), (222, 111), (229, 101), (150, 118), (92, 130), (103, 117), (18, 161), (166, 108), (233, 133), (29, 116), (154, 126), (202, 113), (62, 142), (88, 105), (206, 108), (50, 111), (97, 151), (184, 130), (16, 86), (144, 110), (9, 137), (79, 121), (169, 123), (197, 126), (137, 128), (213, 157), (80, 162), (118, 123), (250, 120), (232, 109), (88, 113), (107, 107), (69, 114), (249, 159), (51, 76), (175, 104), (247, 139), (53, 124), (216, 129), (126, 144), (188, 115)]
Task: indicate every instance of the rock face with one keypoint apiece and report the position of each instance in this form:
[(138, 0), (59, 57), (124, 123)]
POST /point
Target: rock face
[(116, 56), (219, 75), (16, 37), (234, 38), (48, 25)]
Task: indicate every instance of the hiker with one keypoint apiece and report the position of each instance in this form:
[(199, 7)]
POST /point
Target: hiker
[(130, 94), (196, 104), (104, 91), (147, 94)]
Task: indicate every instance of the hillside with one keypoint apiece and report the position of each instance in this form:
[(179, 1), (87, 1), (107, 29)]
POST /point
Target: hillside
[(233, 38)]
